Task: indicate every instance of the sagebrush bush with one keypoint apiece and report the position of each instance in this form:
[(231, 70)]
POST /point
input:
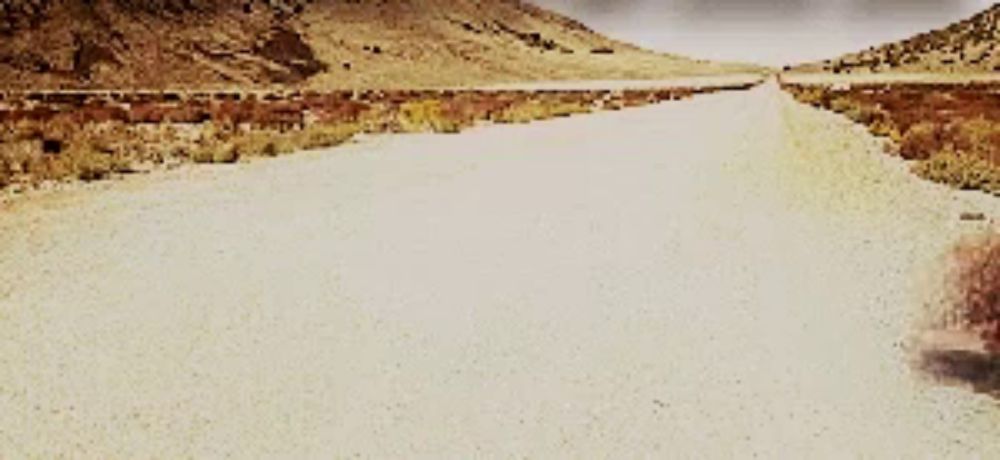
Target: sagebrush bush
[(569, 108), (976, 279), (15, 158), (515, 113), (841, 104), (57, 150), (814, 96), (526, 112), (979, 137), (864, 114), (90, 165), (326, 135), (960, 170), (270, 143), (220, 152), (427, 115), (922, 141), (262, 143), (883, 127)]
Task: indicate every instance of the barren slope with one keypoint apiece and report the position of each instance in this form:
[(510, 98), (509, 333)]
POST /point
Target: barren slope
[(326, 43), (969, 46)]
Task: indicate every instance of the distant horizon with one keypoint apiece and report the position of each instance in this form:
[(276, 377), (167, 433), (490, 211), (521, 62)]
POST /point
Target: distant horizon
[(767, 32)]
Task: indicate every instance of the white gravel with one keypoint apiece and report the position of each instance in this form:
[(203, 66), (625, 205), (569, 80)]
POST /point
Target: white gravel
[(728, 276)]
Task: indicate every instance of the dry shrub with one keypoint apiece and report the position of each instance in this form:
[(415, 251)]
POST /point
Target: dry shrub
[(531, 110), (15, 159), (326, 135), (814, 96), (569, 108), (960, 170), (841, 104), (57, 150), (262, 143), (883, 127), (95, 153), (922, 141), (273, 143), (222, 152), (862, 113), (979, 137), (520, 112), (976, 283), (91, 165), (426, 115)]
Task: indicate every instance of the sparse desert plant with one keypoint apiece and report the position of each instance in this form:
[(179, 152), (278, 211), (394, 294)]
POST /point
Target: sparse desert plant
[(85, 153), (883, 127), (979, 137), (569, 108), (960, 170), (814, 96), (865, 113), (514, 113), (976, 286), (15, 155), (860, 112), (60, 128), (841, 104), (90, 165), (327, 135), (524, 112), (262, 143), (219, 152), (426, 115), (922, 141)]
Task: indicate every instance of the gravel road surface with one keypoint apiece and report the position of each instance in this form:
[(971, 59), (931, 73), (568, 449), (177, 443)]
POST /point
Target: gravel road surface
[(727, 276)]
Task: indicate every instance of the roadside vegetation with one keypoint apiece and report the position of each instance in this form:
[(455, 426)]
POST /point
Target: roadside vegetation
[(977, 275), (950, 132), (972, 307), (53, 136)]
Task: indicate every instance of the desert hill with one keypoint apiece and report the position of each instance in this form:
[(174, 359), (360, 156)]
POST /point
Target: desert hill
[(312, 43), (968, 46)]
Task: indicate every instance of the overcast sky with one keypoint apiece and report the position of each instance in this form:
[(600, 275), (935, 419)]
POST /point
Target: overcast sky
[(772, 32)]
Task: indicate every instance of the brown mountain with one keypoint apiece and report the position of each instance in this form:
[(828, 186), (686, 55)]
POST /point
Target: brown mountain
[(312, 43), (969, 46)]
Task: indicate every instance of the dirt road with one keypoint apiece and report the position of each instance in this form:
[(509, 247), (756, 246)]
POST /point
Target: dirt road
[(728, 276)]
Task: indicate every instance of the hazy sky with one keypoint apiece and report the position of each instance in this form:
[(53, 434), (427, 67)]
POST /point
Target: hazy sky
[(765, 31)]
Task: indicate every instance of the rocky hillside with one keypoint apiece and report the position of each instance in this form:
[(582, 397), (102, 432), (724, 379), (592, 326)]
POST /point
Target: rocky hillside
[(969, 46), (313, 43)]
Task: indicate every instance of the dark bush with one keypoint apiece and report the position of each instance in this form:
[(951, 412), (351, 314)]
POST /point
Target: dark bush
[(921, 141), (977, 283)]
